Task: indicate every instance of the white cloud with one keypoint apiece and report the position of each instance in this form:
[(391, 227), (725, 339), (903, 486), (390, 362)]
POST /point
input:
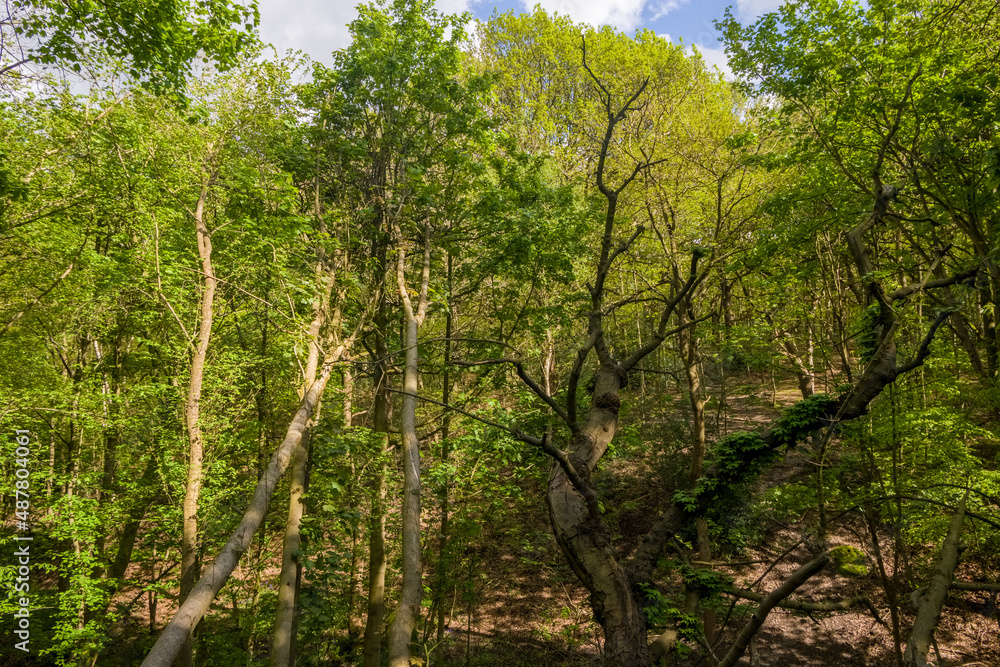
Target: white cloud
[(319, 27), (751, 10), (454, 6), (625, 15), (715, 56), (316, 27), (663, 8)]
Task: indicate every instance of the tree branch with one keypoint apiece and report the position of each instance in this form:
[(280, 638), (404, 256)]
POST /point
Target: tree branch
[(932, 284), (517, 433), (561, 457), (519, 368), (661, 334), (770, 602), (925, 346)]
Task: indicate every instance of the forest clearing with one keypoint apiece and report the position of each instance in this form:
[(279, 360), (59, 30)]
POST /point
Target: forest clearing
[(500, 341)]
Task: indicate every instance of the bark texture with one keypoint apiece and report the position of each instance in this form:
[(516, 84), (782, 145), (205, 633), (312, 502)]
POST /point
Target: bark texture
[(408, 611)]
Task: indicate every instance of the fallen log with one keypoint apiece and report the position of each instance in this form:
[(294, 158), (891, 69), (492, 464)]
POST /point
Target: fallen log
[(796, 604)]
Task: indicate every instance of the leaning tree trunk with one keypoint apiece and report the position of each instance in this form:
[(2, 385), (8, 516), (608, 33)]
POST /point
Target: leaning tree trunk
[(933, 599), (169, 645), (283, 643)]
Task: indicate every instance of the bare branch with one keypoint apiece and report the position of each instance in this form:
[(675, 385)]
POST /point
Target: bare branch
[(517, 433), (932, 284), (624, 245), (801, 605), (519, 368), (925, 345), (770, 602), (876, 170), (661, 334)]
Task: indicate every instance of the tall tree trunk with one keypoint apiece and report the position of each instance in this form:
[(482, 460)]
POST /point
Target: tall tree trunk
[(376, 523), (408, 611), (404, 623), (353, 620), (192, 410), (688, 344), (283, 644), (442, 571)]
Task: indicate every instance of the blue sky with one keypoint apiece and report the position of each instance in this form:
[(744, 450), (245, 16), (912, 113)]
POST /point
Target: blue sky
[(318, 27)]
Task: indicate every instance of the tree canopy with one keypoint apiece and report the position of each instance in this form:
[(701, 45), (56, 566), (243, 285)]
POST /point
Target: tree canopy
[(571, 350)]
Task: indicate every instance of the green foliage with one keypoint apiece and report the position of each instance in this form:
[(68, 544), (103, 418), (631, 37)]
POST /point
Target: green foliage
[(849, 560), (736, 459), (157, 39), (802, 418), (867, 340), (663, 612), (936, 458), (785, 503)]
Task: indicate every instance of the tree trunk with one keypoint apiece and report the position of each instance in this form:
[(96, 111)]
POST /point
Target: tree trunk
[(283, 643), (189, 539), (442, 570), (376, 539), (409, 598), (688, 344), (376, 571), (930, 605), (585, 538)]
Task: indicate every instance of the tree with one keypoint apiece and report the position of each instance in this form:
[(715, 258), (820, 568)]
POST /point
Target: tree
[(156, 40), (880, 109), (406, 119)]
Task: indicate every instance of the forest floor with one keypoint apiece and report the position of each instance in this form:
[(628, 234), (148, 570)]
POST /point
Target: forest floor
[(531, 609)]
